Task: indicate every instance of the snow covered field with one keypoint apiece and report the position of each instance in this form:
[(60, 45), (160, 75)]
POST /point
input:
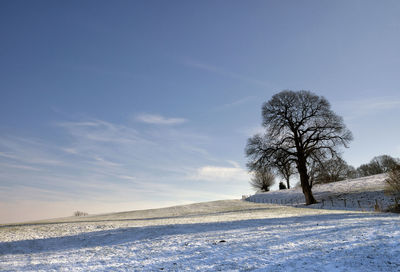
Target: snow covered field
[(362, 194), (231, 235)]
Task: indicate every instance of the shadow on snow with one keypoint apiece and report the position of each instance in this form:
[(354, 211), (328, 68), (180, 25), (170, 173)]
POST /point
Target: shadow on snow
[(132, 234)]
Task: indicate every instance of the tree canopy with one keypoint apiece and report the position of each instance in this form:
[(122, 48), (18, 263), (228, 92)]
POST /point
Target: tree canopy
[(378, 165), (334, 169)]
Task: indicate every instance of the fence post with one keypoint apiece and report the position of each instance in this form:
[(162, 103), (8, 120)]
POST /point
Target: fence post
[(376, 207), (359, 205)]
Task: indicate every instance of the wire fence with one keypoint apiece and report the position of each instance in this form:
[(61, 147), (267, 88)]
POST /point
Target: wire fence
[(377, 203)]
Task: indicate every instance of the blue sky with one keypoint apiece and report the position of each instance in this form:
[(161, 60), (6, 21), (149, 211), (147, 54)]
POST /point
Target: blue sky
[(123, 105)]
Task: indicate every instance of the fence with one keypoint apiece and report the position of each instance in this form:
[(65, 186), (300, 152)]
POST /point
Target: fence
[(376, 203)]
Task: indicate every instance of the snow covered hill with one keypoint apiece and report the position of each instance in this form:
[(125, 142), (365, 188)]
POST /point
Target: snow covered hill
[(364, 194), (230, 235)]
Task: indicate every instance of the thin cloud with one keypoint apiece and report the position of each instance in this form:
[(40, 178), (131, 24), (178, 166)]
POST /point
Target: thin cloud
[(100, 131), (100, 157), (156, 119), (223, 72), (377, 104), (365, 107), (18, 166), (234, 103), (26, 151), (104, 162), (218, 173)]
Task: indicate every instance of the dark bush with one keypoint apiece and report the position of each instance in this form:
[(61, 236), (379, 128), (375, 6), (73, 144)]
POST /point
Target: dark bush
[(79, 213), (262, 179), (393, 187)]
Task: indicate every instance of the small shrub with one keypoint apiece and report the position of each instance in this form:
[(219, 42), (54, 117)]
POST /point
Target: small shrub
[(262, 179), (282, 186), (393, 182), (393, 208), (79, 213), (393, 187)]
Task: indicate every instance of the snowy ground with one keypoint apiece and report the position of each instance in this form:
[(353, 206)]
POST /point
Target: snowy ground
[(229, 235), (362, 194)]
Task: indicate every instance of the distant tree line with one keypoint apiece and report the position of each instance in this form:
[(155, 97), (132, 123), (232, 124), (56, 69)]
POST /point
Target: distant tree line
[(337, 169), (378, 165)]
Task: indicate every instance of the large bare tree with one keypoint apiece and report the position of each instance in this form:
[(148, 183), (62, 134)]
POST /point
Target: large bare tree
[(300, 128)]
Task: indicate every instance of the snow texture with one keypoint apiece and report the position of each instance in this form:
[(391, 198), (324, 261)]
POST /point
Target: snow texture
[(230, 235), (362, 194)]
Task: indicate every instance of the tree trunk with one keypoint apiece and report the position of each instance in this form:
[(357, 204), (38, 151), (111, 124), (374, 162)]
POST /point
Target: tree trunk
[(305, 185), (308, 194), (288, 184)]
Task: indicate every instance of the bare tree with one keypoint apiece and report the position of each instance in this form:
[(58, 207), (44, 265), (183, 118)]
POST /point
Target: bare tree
[(284, 169), (393, 187), (378, 165), (393, 182), (263, 179), (300, 128), (334, 169)]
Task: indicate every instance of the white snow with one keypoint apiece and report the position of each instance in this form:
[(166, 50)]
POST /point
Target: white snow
[(231, 235), (361, 194)]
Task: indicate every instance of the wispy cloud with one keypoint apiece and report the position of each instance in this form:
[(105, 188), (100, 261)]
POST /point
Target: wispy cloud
[(159, 119), (28, 152), (235, 103), (378, 104), (363, 107), (104, 162), (224, 72), (101, 153), (101, 131), (222, 173), (18, 166)]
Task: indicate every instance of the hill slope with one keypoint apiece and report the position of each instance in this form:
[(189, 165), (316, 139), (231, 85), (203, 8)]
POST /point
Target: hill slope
[(354, 194), (213, 236)]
